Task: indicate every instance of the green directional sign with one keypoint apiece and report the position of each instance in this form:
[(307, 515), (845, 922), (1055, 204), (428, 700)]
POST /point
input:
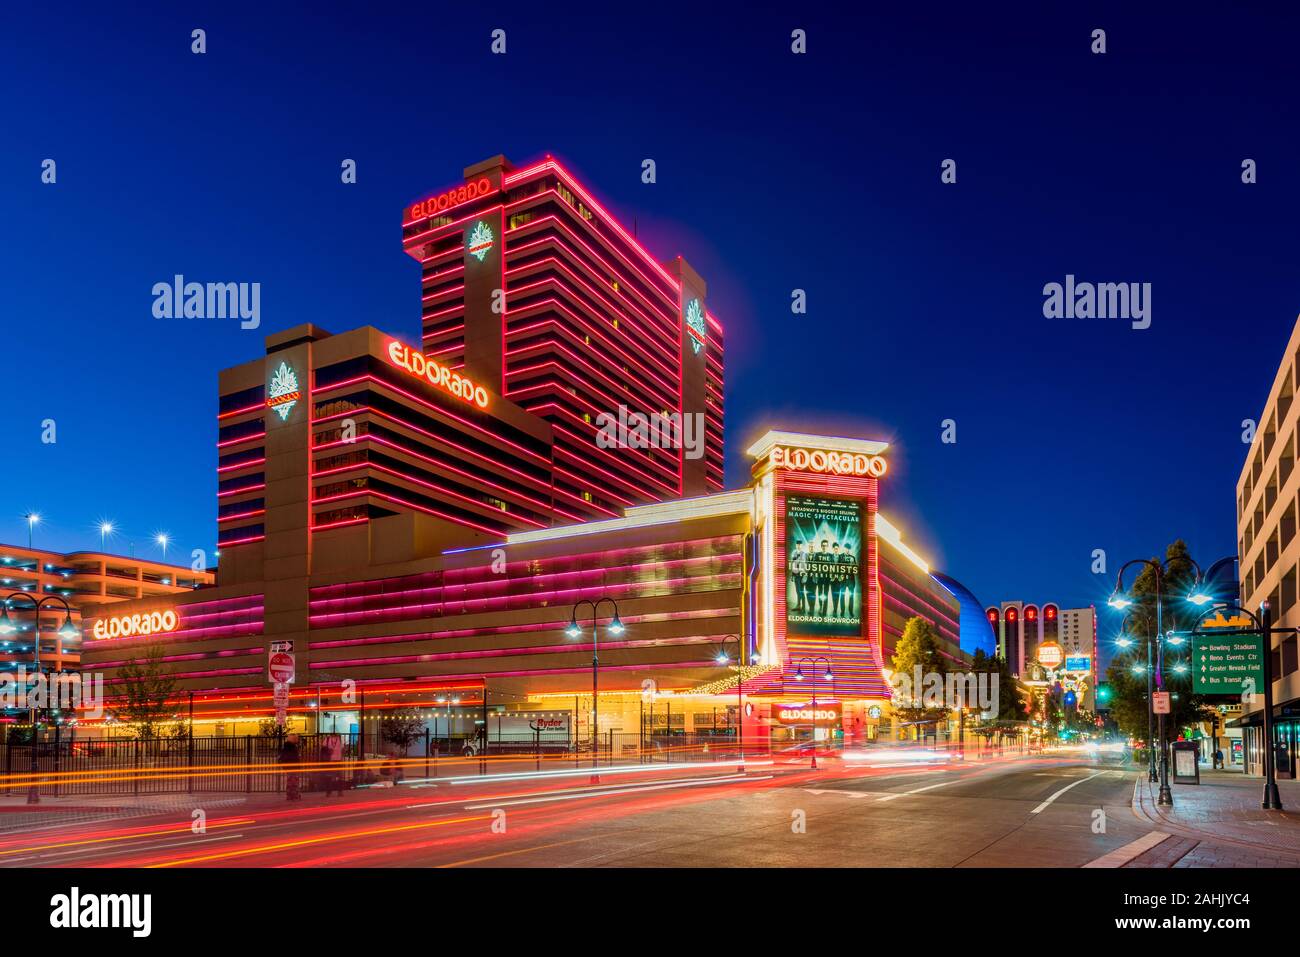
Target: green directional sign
[(1222, 663)]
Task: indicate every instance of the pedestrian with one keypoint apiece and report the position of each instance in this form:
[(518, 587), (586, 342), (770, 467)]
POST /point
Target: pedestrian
[(289, 758), (1218, 757)]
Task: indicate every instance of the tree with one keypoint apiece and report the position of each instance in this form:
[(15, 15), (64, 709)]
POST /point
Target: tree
[(147, 687), (401, 729), (918, 648), (1126, 674), (1011, 706)]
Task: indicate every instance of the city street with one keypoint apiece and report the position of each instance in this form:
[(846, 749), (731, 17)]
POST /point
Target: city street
[(1015, 811)]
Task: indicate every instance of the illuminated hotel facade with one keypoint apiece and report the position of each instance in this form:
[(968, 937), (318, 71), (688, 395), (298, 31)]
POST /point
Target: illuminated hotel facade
[(417, 524)]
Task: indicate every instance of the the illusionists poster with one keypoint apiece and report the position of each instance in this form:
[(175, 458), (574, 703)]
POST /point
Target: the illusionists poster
[(823, 564)]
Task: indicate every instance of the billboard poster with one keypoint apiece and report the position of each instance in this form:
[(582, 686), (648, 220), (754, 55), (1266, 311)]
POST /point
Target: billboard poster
[(823, 566)]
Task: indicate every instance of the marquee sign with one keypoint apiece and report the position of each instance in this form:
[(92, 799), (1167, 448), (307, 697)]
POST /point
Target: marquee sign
[(282, 393), (452, 197), (695, 325), (129, 626), (436, 374), (828, 461), (806, 713), (1050, 654)]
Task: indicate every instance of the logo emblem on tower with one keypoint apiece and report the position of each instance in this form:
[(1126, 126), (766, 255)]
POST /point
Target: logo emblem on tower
[(695, 325), (282, 394), (480, 240)]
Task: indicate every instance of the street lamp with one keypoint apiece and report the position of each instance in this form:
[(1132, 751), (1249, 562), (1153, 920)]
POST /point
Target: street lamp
[(66, 630), (574, 630), (162, 538), (798, 676), (449, 702), (1119, 598), (724, 659), (32, 521), (105, 529)]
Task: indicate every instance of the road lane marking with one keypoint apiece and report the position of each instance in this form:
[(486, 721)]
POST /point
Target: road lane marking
[(1122, 855), (1053, 797), (625, 790), (852, 794), (928, 787)]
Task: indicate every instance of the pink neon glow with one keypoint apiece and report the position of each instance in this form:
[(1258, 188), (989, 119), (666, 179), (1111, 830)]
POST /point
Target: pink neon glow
[(519, 652), (716, 615), (259, 407), (630, 396), (481, 214), (251, 463), (365, 492), (436, 408), (606, 218), (493, 463), (660, 326), (567, 228)]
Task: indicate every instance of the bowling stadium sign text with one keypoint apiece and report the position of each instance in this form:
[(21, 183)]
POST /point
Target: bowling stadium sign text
[(453, 197), (436, 374), (828, 461), (129, 626)]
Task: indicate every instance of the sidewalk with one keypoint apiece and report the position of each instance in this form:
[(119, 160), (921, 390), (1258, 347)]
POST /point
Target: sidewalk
[(1219, 823)]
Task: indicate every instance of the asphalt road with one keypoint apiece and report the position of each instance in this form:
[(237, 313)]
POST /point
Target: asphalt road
[(1021, 811)]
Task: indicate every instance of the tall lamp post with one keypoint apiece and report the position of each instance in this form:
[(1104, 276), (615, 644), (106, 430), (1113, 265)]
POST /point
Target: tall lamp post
[(724, 659), (1119, 598), (574, 630), (799, 676), (1124, 641), (66, 630)]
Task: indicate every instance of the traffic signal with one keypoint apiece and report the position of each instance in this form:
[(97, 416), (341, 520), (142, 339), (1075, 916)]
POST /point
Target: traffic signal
[(1103, 694)]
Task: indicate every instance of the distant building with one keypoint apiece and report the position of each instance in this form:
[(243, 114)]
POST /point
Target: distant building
[(86, 580), (1023, 628)]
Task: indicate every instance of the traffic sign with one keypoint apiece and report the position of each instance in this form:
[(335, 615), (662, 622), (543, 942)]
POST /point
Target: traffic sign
[(281, 695), (1221, 664), (281, 646), (280, 667), (1160, 702)]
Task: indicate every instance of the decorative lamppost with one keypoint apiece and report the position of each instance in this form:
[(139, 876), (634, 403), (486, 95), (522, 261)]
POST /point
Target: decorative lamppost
[(1120, 598), (799, 676), (724, 659), (66, 630), (574, 630)]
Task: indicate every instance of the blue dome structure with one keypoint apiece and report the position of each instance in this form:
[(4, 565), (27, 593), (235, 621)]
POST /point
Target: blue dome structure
[(975, 632)]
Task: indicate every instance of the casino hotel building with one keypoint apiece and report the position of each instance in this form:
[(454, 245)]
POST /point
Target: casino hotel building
[(417, 519)]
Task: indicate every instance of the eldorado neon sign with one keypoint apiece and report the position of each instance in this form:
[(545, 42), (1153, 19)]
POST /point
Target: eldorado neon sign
[(436, 374), (825, 460), (453, 197), (128, 626)]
